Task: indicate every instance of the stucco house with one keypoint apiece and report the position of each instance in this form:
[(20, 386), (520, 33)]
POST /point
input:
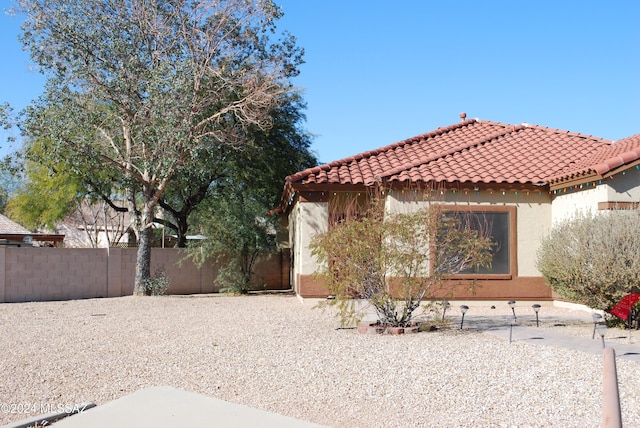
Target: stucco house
[(96, 225), (523, 177)]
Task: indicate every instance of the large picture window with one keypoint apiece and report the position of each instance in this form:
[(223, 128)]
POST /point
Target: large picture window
[(498, 223)]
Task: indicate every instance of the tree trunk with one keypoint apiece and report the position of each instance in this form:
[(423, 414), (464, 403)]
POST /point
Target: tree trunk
[(143, 262), (183, 226), (143, 259)]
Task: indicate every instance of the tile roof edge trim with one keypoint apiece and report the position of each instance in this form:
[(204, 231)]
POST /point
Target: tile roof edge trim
[(439, 131), (602, 168), (617, 161), (586, 174)]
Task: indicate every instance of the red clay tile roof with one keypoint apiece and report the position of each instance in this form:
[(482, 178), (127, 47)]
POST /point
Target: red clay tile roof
[(477, 151), (609, 158)]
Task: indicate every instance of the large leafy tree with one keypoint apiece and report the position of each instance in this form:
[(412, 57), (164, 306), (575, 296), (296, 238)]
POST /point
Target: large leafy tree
[(8, 172), (5, 120), (5, 185), (234, 217), (48, 189), (44, 192), (143, 89), (258, 167), (43, 198), (237, 233)]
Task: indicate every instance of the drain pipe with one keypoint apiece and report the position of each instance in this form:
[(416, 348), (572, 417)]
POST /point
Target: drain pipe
[(611, 413)]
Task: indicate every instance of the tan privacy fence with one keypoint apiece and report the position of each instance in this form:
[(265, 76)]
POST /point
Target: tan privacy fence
[(39, 274)]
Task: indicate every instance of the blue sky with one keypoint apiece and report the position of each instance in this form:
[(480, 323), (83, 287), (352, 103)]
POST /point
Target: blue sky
[(378, 72)]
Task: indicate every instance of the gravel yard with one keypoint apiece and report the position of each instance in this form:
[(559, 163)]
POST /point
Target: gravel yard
[(277, 353)]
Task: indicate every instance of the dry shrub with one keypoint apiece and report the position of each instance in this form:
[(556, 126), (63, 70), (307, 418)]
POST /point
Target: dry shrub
[(392, 260), (593, 259)]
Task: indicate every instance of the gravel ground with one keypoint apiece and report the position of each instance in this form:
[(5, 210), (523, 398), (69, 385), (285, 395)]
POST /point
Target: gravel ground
[(276, 353)]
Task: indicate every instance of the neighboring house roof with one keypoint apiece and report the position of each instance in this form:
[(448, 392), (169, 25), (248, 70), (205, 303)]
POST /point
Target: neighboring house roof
[(8, 226), (12, 231), (475, 151)]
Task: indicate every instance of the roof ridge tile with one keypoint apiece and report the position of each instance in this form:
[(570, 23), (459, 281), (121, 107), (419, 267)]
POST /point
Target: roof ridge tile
[(564, 132)]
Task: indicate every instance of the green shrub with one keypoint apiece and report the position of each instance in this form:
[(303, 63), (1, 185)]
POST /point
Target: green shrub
[(593, 259), (238, 234), (156, 285), (232, 278)]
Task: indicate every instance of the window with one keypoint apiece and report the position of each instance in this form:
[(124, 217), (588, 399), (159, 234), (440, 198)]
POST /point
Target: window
[(499, 224)]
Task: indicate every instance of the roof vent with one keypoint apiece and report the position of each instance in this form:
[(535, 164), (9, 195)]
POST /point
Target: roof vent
[(463, 116)]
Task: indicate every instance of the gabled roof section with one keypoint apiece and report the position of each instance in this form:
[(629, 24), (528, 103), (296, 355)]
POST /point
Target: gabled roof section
[(476, 151), (12, 231), (8, 226)]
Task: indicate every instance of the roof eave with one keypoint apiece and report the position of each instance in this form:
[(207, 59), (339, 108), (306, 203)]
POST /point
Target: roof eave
[(562, 183), (594, 174)]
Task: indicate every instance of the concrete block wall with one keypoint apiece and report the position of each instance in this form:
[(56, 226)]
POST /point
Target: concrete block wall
[(123, 272), (185, 276), (52, 274), (41, 274), (267, 272)]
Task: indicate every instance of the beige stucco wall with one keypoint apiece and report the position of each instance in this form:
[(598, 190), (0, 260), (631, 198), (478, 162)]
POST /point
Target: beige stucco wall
[(536, 213), (567, 204), (533, 216), (306, 220), (533, 221), (624, 187)]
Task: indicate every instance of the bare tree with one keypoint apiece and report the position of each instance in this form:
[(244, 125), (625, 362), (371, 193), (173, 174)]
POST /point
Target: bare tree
[(97, 223)]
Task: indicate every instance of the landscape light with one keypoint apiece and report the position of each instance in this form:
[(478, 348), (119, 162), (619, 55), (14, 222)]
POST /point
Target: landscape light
[(602, 329), (536, 308), (511, 324), (512, 305), (464, 309), (445, 305), (597, 319)]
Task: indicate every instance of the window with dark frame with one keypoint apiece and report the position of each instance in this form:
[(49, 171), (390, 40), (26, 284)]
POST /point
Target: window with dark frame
[(494, 224)]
